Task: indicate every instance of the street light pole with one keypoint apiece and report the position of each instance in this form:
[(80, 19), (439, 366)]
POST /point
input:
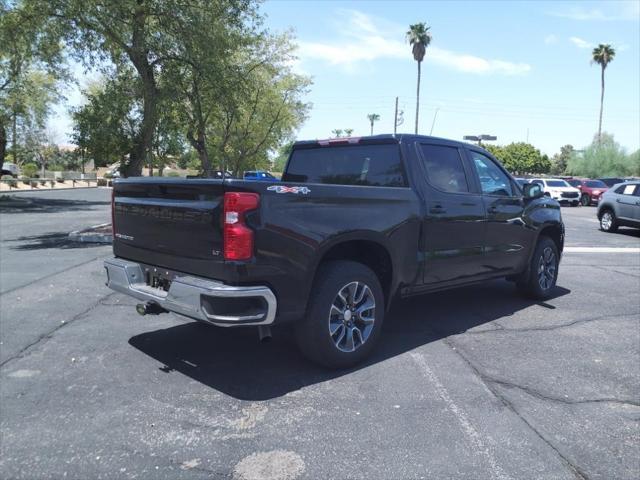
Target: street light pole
[(479, 138)]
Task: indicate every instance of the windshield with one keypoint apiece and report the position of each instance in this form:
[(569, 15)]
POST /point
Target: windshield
[(596, 184), (557, 183)]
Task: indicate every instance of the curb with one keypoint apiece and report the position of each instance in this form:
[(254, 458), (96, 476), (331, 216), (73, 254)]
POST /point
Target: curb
[(89, 236)]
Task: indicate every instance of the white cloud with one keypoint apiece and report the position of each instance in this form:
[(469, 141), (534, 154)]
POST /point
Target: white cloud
[(368, 39), (550, 39), (580, 43)]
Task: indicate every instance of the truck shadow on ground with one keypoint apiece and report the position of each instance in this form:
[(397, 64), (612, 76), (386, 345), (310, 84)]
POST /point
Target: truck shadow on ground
[(234, 363)]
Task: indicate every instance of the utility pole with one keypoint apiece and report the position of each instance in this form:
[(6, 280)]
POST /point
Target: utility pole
[(398, 118)]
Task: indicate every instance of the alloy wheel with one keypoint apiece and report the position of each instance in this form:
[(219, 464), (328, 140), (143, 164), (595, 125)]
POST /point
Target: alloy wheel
[(547, 268), (606, 221), (352, 316)]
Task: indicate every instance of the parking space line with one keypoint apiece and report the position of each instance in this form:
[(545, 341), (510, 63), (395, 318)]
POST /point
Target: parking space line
[(601, 249), (474, 436)]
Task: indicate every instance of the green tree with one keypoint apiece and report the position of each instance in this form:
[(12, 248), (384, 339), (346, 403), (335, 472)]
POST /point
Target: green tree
[(106, 125), (30, 68), (148, 36), (373, 118), (603, 55), (604, 157), (419, 38), (560, 160), (520, 158), (337, 132), (348, 131), (282, 157)]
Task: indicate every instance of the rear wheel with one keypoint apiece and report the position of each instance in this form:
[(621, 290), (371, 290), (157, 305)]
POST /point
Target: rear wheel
[(344, 316), (543, 270), (608, 222), (585, 200)]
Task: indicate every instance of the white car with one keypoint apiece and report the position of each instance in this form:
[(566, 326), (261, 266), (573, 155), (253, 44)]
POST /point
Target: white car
[(559, 190), (10, 169)]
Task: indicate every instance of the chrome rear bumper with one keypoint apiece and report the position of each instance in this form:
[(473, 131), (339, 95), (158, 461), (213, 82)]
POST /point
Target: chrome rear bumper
[(193, 297)]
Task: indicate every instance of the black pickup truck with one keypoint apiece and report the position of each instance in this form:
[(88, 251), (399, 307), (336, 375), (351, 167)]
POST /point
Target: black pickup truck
[(353, 224)]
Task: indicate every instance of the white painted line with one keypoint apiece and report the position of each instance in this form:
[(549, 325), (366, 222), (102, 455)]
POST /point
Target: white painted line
[(601, 249), (474, 436)]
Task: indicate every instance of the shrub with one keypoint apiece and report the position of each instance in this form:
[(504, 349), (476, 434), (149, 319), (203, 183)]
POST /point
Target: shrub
[(102, 182), (33, 184), (173, 174), (60, 180), (9, 180), (24, 179), (108, 175), (29, 170), (52, 183), (43, 182)]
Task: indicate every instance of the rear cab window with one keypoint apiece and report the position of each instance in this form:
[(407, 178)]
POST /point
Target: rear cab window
[(364, 165)]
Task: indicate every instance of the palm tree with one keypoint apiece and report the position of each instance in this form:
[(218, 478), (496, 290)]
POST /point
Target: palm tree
[(348, 131), (419, 37), (373, 118), (603, 55), (337, 132)]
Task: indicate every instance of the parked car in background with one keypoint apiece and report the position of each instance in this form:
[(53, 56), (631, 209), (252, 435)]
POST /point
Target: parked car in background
[(260, 176), (559, 190), (522, 181), (10, 169), (620, 207), (611, 181), (590, 190)]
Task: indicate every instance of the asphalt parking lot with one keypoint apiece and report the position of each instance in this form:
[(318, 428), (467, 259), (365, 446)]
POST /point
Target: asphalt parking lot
[(475, 383)]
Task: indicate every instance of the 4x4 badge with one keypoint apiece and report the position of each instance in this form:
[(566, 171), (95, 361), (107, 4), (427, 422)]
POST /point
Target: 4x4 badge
[(285, 189)]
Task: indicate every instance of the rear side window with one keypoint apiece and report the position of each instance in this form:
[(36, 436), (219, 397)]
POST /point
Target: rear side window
[(444, 168), (368, 165)]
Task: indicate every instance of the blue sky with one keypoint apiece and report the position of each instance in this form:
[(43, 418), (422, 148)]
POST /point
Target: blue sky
[(509, 69)]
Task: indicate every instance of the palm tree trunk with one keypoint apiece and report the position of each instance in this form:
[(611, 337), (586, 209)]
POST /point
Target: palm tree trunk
[(418, 98), (601, 106), (371, 127)]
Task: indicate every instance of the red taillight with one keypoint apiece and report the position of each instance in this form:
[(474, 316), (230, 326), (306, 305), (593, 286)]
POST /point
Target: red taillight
[(113, 212), (238, 238)]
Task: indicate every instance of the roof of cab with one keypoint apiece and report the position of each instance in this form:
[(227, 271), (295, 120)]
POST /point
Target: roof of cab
[(382, 138)]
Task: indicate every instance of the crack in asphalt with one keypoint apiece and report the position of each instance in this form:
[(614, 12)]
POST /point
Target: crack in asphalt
[(46, 336), (575, 469), (550, 327)]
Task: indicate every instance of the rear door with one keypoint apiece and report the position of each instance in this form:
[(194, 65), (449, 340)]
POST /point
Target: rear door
[(454, 217), (506, 234), (628, 201)]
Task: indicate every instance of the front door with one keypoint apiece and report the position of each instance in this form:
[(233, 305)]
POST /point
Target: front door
[(453, 223), (506, 234), (627, 200)]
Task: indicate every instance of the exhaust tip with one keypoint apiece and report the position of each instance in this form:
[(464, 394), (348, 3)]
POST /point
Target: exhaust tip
[(141, 308), (264, 334)]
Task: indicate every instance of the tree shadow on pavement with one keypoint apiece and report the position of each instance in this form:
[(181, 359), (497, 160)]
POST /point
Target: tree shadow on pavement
[(59, 240), (232, 361), (47, 205)]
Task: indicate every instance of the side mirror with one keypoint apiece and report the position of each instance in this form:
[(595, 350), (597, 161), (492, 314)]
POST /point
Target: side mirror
[(532, 190)]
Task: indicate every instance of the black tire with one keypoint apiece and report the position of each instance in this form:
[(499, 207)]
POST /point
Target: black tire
[(313, 333), (543, 271), (608, 221), (585, 200)]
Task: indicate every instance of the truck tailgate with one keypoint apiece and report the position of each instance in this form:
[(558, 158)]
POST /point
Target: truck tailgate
[(172, 223)]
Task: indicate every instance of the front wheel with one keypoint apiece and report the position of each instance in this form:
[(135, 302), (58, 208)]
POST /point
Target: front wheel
[(608, 222), (543, 271), (344, 316), (585, 200)]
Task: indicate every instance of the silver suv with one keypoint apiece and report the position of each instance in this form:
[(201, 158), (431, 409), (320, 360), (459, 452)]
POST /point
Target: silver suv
[(620, 207)]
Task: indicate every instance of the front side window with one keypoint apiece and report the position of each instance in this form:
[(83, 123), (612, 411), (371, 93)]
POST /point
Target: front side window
[(444, 168), (557, 183), (492, 179), (368, 165)]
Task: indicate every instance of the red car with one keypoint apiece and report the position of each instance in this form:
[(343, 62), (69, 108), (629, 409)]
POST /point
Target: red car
[(590, 190)]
